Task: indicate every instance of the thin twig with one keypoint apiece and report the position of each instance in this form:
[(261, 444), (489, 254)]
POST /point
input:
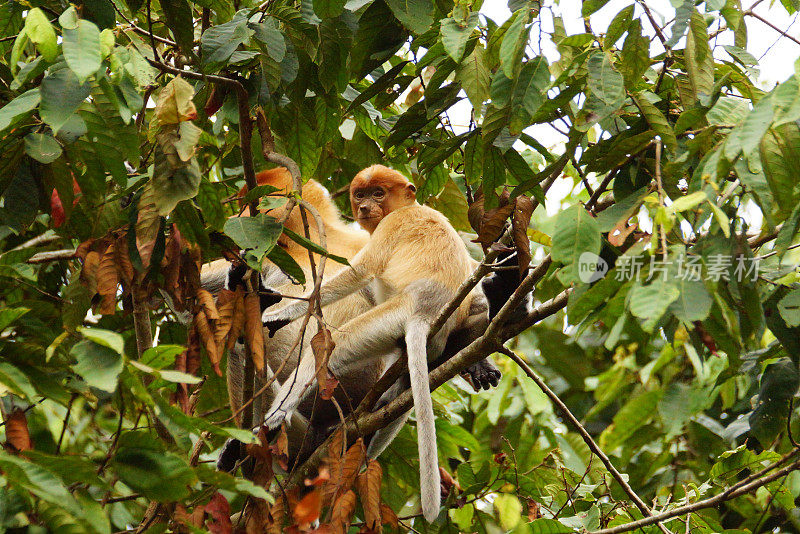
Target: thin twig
[(737, 490), (587, 438), (771, 25)]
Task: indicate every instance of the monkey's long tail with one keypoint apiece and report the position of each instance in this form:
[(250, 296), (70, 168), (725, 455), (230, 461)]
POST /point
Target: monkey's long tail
[(430, 484)]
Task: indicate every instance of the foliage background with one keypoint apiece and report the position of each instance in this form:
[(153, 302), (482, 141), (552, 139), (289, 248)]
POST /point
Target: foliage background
[(687, 386)]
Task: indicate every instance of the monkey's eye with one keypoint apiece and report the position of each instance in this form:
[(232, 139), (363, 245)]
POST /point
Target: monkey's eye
[(378, 194), (359, 195)]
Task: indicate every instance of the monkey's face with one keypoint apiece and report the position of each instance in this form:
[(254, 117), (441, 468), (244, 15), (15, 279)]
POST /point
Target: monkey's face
[(376, 192), (369, 205)]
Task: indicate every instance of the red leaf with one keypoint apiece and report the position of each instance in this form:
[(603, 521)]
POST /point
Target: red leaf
[(220, 512)]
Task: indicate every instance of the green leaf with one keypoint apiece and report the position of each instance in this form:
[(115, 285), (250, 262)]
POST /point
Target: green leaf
[(18, 108), (455, 34), (42, 147), (604, 81), (779, 383), (513, 44), (635, 56), (475, 77), (619, 25), (314, 247), (178, 18), (453, 204), (101, 12), (106, 338), (588, 7), (61, 94), (416, 15), (630, 418), (682, 13), (259, 233), (41, 32), (548, 526), (326, 9), (434, 183), (698, 58), (287, 264), (98, 365), (159, 475), (786, 101), (693, 302), (15, 381), (82, 49), (218, 43), (657, 121), (38, 480), (780, 157), (575, 238), (268, 33), (509, 510), (651, 301), (789, 306)]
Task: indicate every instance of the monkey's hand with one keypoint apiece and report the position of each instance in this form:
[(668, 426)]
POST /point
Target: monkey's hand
[(277, 319), (482, 375)]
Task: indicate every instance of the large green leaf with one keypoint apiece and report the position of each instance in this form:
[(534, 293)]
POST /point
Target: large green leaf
[(148, 469), (657, 120), (651, 301), (62, 94), (42, 147), (605, 82), (41, 32), (98, 365), (698, 58), (416, 15), (474, 76), (178, 18), (18, 108), (635, 56), (513, 44), (259, 233), (630, 418), (779, 384), (455, 33), (576, 237), (82, 49)]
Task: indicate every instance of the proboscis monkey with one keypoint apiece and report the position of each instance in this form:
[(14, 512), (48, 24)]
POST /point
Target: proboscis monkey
[(417, 262), (311, 424)]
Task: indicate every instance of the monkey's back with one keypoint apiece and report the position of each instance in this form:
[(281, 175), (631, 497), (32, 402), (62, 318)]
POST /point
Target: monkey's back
[(418, 242)]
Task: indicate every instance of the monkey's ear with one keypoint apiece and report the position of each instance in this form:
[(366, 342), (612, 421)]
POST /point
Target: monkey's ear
[(411, 190)]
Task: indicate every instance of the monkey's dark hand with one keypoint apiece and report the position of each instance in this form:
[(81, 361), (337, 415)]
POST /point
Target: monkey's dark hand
[(267, 297), (482, 375), (499, 287), (235, 278), (229, 456), (274, 326)]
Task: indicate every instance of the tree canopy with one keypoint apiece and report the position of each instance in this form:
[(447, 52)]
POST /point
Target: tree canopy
[(650, 386)]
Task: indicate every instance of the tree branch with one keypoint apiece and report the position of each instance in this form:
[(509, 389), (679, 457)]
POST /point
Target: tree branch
[(737, 490), (587, 438)]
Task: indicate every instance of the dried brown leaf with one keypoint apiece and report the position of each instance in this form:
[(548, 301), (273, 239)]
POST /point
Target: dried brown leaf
[(388, 516), (342, 512), (207, 337), (238, 319), (322, 346), (280, 449), (475, 211), (253, 330), (206, 300), (124, 265), (521, 218), (107, 281), (368, 485), (448, 482), (226, 304), (620, 232), (17, 434), (88, 276), (534, 510), (493, 222)]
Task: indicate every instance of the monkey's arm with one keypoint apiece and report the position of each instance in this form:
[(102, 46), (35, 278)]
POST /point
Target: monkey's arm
[(344, 283)]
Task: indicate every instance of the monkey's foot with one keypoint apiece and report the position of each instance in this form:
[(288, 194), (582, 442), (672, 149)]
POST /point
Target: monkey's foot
[(275, 418), (482, 375)]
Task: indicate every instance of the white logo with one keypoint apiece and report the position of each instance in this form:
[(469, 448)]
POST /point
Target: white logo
[(591, 267)]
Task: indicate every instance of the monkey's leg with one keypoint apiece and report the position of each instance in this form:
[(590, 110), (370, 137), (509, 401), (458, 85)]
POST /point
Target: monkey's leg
[(369, 335), (384, 436)]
